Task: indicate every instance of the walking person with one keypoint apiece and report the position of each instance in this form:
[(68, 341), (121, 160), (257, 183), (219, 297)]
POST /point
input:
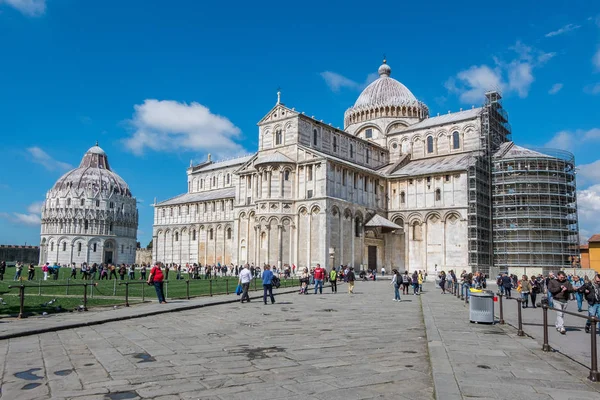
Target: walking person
[(535, 289), (93, 271), (143, 272), (132, 272), (319, 276), (415, 283), (591, 292), (333, 280), (405, 282), (443, 282), (396, 279), (122, 271), (577, 284), (44, 271), (525, 286), (156, 278), (506, 285), (560, 288), (73, 272), (113, 272), (244, 279), (350, 278), (267, 278)]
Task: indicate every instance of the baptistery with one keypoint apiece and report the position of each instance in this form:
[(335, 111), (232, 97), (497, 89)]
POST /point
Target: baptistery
[(89, 216)]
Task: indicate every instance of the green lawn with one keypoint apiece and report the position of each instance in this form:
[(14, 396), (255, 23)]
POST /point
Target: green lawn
[(107, 292)]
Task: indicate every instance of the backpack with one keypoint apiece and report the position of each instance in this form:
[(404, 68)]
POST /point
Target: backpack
[(405, 279), (276, 282)]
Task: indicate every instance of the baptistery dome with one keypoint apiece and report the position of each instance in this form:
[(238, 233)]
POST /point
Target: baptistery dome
[(89, 216), (385, 98)]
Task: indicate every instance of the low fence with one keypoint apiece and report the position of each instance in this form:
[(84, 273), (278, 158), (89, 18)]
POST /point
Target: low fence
[(461, 292), (123, 291)]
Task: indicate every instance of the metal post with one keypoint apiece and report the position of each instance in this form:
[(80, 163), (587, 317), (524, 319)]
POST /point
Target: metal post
[(68, 281), (92, 289), (467, 295), (546, 346), (126, 294), (85, 285), (254, 284), (594, 374), (143, 295), (115, 287), (520, 330), (210, 287), (227, 286), (501, 322), (187, 288), (462, 295), (39, 287), (457, 290), (166, 289), (22, 302)]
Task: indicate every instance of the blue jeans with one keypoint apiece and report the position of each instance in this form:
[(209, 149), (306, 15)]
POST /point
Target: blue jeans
[(319, 285), (593, 311), (158, 286), (465, 290), (396, 292), (579, 298), (268, 290), (550, 301)]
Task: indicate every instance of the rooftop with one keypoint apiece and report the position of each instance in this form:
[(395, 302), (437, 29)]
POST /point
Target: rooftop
[(446, 119), (594, 239), (185, 198), (435, 165)]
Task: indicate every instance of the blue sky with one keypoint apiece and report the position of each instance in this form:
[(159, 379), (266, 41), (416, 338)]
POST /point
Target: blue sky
[(158, 83)]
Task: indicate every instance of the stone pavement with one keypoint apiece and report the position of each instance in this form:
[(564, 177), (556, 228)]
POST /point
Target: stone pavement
[(492, 362), (329, 346)]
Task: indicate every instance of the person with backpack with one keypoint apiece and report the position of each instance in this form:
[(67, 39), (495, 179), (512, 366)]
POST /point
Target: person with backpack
[(591, 292), (350, 279), (333, 280), (405, 282), (267, 278), (396, 282), (415, 283)]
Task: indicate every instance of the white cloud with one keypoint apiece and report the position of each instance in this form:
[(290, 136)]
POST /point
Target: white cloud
[(336, 81), (36, 208), (39, 156), (22, 219), (592, 89), (513, 76), (570, 140), (564, 29), (596, 60), (167, 125), (555, 88), (588, 207), (32, 8)]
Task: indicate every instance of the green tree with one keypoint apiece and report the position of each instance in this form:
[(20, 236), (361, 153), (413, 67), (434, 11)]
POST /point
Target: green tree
[(149, 244)]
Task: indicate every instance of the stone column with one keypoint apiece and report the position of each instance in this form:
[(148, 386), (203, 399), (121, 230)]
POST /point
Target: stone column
[(281, 181), (268, 256), (279, 245), (424, 240), (308, 247), (269, 176), (353, 223)]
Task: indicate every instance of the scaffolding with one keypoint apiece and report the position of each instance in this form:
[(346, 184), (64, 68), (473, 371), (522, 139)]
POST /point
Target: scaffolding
[(535, 209), (495, 131)]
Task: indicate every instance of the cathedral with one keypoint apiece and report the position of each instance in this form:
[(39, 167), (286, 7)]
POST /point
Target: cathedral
[(395, 189), (89, 216)]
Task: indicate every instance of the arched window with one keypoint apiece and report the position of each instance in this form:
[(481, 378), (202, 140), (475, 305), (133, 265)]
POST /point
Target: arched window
[(402, 197), (357, 227), (177, 236), (278, 137), (430, 144), (110, 227), (286, 175), (214, 181), (368, 154), (416, 231), (85, 225), (228, 178), (438, 195), (52, 246), (194, 234), (64, 246), (79, 246), (210, 234), (455, 140), (351, 150), (201, 183), (228, 233), (315, 137), (68, 202), (335, 143), (95, 247)]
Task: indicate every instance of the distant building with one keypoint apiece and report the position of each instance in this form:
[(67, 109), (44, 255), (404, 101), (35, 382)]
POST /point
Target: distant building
[(594, 252), (89, 216), (584, 258), (25, 254)]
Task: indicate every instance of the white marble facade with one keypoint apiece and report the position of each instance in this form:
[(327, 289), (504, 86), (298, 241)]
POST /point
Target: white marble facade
[(311, 191), (89, 216)]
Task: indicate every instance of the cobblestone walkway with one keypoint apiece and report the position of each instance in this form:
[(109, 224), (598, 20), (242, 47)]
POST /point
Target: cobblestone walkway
[(303, 347)]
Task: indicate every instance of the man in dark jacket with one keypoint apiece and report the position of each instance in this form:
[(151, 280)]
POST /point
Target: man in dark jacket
[(506, 284), (560, 288), (591, 292)]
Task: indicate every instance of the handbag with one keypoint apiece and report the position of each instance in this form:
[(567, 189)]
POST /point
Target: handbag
[(239, 290)]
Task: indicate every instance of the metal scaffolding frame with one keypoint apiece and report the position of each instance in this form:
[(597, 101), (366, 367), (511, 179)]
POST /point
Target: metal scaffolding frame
[(535, 209), (495, 130)]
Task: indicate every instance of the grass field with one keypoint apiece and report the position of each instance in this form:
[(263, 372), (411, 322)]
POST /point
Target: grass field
[(106, 292)]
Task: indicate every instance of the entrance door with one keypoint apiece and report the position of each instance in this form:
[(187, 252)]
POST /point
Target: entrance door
[(108, 257), (372, 260)]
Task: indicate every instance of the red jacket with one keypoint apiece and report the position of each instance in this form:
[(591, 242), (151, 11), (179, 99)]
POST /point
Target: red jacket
[(319, 273)]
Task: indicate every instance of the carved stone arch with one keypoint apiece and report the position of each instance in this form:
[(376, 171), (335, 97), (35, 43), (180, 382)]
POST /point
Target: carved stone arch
[(416, 138), (184, 230), (262, 220), (302, 210), (251, 214), (433, 216), (286, 221), (273, 219), (288, 126), (242, 215), (202, 227), (315, 209), (440, 133), (451, 217), (74, 240), (159, 232), (414, 217), (359, 215), (398, 220), (335, 210), (347, 213)]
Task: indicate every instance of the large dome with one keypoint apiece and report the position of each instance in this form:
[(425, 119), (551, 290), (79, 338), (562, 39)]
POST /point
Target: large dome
[(385, 91), (93, 174)]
